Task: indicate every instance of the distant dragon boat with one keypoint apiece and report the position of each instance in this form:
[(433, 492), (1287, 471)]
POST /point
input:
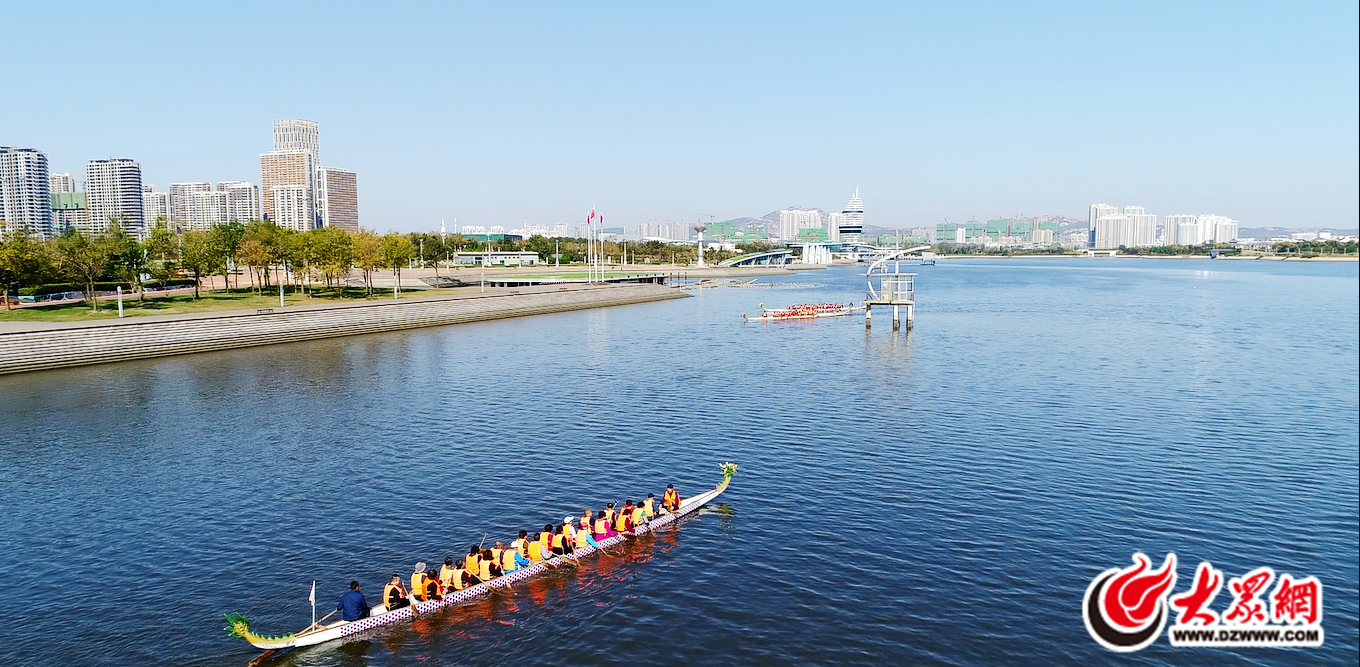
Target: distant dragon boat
[(802, 311), (379, 616)]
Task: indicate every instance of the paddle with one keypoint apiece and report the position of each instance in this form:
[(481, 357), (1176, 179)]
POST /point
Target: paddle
[(317, 624)]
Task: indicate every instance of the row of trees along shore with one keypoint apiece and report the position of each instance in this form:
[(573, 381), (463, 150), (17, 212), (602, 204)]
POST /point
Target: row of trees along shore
[(267, 254)]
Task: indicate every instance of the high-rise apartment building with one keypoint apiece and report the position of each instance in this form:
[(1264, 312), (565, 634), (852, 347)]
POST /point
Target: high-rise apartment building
[(338, 198), (113, 191), (62, 183), (851, 226), (295, 135), (292, 207), (1097, 212), (1131, 228), (293, 171), (179, 199), (25, 191), (156, 207), (206, 210), (1182, 229), (243, 200), (792, 220), (69, 211)]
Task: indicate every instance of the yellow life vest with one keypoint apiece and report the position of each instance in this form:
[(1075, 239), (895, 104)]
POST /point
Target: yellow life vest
[(638, 515), (508, 561), (535, 553), (558, 541), (609, 514), (392, 590), (648, 506), (601, 526), (621, 522), (446, 574), (496, 554), (473, 565), (581, 542), (457, 579), (485, 572), (418, 585)]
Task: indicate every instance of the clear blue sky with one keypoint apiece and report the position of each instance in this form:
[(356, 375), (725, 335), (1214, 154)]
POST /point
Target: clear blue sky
[(497, 113)]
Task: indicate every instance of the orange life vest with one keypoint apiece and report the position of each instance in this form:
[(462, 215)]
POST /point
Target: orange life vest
[(433, 591), (671, 500), (392, 592)]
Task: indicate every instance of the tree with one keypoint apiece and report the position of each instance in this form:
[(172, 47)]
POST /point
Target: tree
[(297, 249), (128, 259), (397, 250), (225, 241), (85, 260), (368, 255), (23, 261), (260, 248), (197, 255), (334, 253)]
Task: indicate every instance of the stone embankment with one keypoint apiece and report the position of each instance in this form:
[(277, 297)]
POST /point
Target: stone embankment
[(49, 345)]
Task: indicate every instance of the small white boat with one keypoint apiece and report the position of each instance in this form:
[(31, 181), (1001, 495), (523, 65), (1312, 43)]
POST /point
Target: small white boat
[(380, 616)]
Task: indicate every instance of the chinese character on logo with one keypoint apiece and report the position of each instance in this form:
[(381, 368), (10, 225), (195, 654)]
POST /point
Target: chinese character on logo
[(1296, 602), (1192, 603), (1246, 608)]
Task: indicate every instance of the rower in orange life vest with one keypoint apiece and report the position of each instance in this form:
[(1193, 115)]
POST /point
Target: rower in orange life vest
[(623, 521), (418, 582), (670, 501), (394, 594), (433, 590)]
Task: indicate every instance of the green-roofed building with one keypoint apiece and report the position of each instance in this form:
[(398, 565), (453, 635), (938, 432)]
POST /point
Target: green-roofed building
[(811, 235), (721, 230)]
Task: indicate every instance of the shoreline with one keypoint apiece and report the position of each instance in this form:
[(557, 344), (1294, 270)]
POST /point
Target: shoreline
[(38, 346), (1267, 258)]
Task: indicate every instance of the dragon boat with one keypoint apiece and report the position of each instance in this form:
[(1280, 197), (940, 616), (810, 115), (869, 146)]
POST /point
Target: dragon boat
[(379, 616), (802, 311)]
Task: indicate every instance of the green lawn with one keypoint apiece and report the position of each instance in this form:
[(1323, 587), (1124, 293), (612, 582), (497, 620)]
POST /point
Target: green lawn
[(239, 299)]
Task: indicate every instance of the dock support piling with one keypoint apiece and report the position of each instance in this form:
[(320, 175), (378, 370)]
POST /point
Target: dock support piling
[(911, 315), (895, 318), (868, 317)]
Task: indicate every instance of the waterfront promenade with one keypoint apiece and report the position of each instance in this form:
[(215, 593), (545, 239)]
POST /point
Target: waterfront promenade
[(33, 346)]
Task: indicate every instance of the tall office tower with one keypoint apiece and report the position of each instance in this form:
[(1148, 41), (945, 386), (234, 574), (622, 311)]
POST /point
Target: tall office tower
[(851, 228), (62, 183), (25, 191), (292, 207), (293, 135), (338, 198), (179, 199), (292, 170), (1098, 211), (113, 190), (155, 207), (243, 200)]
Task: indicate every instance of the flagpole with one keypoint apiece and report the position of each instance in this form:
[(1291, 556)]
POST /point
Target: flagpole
[(313, 598)]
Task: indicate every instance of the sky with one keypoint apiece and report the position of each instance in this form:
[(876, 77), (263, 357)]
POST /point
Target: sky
[(513, 113)]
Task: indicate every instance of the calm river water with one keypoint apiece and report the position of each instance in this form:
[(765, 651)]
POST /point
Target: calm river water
[(943, 497)]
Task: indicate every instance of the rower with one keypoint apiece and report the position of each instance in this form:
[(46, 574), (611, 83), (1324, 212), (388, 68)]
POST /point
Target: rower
[(670, 501), (473, 565), (534, 550), (394, 594), (639, 516), (560, 545), (418, 582), (433, 591), (458, 580), (602, 529), (649, 505), (490, 569), (446, 572), (353, 606), (496, 552), (609, 513), (622, 518), (513, 559), (545, 537), (521, 543), (583, 538)]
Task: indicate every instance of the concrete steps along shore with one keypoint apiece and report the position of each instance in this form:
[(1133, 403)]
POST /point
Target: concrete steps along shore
[(79, 344)]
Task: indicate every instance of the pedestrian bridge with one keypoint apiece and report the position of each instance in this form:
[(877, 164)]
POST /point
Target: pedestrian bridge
[(778, 257)]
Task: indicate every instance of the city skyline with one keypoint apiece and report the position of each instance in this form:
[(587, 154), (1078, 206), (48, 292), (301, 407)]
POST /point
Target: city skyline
[(540, 111)]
